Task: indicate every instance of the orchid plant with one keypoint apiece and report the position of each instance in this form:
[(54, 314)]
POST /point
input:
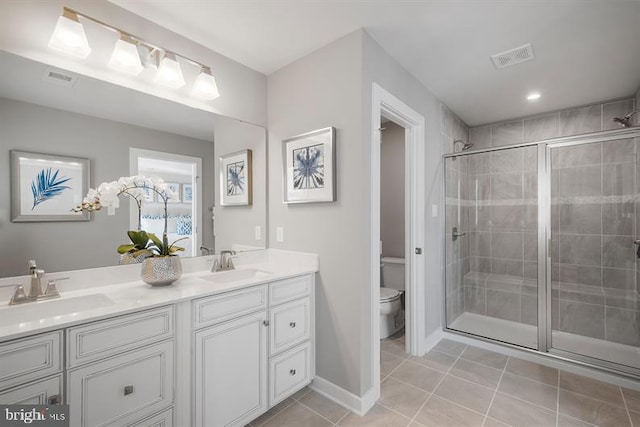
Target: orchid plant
[(107, 195)]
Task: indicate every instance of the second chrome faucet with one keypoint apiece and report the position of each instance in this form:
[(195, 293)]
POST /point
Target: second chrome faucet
[(225, 262)]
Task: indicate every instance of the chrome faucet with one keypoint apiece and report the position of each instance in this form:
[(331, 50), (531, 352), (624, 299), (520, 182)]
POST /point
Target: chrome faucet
[(35, 291), (225, 263)]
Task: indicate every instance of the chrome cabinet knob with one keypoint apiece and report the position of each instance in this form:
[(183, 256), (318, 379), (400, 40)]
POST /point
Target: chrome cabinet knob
[(292, 324), (292, 372), (128, 390)]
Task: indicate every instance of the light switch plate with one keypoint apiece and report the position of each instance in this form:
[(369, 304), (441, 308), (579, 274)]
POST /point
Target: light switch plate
[(280, 234), (258, 232)]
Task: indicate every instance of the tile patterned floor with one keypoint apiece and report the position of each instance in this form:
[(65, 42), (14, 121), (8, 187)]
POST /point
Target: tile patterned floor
[(460, 385)]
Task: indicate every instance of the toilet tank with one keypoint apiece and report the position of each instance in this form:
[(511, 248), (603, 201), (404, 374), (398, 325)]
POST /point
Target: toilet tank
[(392, 275)]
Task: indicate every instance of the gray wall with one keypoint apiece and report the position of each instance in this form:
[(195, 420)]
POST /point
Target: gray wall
[(380, 68), (310, 94), (75, 245), (236, 224), (392, 190), (324, 89)]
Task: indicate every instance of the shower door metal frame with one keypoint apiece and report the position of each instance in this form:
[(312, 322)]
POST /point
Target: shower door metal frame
[(544, 147)]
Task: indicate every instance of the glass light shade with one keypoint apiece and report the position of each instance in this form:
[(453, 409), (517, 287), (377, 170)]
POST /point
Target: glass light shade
[(69, 37), (205, 86), (169, 73), (125, 58)]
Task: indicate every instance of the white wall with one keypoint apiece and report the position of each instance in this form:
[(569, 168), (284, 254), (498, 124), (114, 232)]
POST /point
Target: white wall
[(76, 245), (26, 27), (324, 89), (392, 190), (637, 107)]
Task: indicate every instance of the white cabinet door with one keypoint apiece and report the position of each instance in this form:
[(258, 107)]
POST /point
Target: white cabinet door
[(231, 372), (122, 388), (43, 392)]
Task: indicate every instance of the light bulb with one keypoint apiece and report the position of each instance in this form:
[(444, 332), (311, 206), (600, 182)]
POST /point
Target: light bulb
[(125, 57), (169, 72), (69, 37), (533, 96), (205, 86)]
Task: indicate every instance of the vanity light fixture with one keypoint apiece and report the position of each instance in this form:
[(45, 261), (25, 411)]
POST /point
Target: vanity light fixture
[(69, 37), (125, 56), (205, 86), (169, 72)]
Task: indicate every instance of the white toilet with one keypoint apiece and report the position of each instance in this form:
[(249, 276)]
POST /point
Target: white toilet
[(391, 290)]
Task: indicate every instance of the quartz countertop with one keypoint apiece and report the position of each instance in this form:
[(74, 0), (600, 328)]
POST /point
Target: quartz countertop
[(86, 304)]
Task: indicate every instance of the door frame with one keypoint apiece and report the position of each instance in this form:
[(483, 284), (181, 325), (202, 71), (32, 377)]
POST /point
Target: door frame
[(384, 103), (196, 182)]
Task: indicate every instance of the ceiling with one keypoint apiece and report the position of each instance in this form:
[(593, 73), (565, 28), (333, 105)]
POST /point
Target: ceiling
[(585, 50)]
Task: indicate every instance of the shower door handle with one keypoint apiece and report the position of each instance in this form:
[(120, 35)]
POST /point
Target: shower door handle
[(636, 242), (455, 233)]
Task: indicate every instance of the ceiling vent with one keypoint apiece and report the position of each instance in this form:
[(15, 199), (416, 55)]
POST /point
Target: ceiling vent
[(59, 78), (513, 56)]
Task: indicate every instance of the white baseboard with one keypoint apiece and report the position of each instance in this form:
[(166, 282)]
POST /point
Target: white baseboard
[(432, 339), (356, 404)]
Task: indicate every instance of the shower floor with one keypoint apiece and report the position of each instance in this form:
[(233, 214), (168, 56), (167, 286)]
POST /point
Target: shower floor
[(527, 336)]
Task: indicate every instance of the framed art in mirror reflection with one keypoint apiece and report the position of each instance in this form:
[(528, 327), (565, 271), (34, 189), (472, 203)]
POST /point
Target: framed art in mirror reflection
[(45, 187)]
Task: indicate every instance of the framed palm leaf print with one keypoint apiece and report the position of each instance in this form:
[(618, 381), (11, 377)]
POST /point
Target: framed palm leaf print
[(309, 167), (45, 187)]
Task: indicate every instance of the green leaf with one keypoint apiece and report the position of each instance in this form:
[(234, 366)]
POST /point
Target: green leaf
[(126, 248)]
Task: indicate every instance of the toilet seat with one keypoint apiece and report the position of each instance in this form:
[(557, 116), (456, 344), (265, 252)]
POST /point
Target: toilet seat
[(388, 294)]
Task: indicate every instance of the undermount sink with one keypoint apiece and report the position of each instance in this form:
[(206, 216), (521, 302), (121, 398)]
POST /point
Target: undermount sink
[(229, 276), (35, 311)]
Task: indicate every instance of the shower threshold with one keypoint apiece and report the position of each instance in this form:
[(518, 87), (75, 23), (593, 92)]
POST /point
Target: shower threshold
[(524, 335), (497, 329)]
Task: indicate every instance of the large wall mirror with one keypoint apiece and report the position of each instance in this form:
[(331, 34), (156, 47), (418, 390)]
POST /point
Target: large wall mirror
[(123, 132)]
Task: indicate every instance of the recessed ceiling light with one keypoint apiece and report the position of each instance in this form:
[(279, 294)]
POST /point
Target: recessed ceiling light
[(533, 96)]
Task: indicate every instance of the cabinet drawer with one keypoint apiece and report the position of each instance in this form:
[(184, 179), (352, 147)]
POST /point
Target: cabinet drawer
[(105, 338), (163, 419), (289, 289), (289, 325), (289, 372), (123, 388), (30, 358), (43, 392), (219, 308)]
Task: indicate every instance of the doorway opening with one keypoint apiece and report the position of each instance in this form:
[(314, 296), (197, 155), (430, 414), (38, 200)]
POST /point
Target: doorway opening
[(387, 107), (184, 216)]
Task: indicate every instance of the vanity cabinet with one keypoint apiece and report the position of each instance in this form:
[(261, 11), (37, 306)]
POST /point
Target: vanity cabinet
[(231, 357), (219, 360), (120, 370), (31, 370), (252, 349), (43, 392)]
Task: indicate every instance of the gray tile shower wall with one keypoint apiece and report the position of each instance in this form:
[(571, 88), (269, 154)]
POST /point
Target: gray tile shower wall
[(551, 125), (594, 220)]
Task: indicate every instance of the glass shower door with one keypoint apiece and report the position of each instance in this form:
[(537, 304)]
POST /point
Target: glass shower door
[(491, 244), (594, 212)]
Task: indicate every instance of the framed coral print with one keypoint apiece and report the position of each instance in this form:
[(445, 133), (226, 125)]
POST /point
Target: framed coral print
[(309, 167), (187, 193), (45, 187), (236, 179)]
